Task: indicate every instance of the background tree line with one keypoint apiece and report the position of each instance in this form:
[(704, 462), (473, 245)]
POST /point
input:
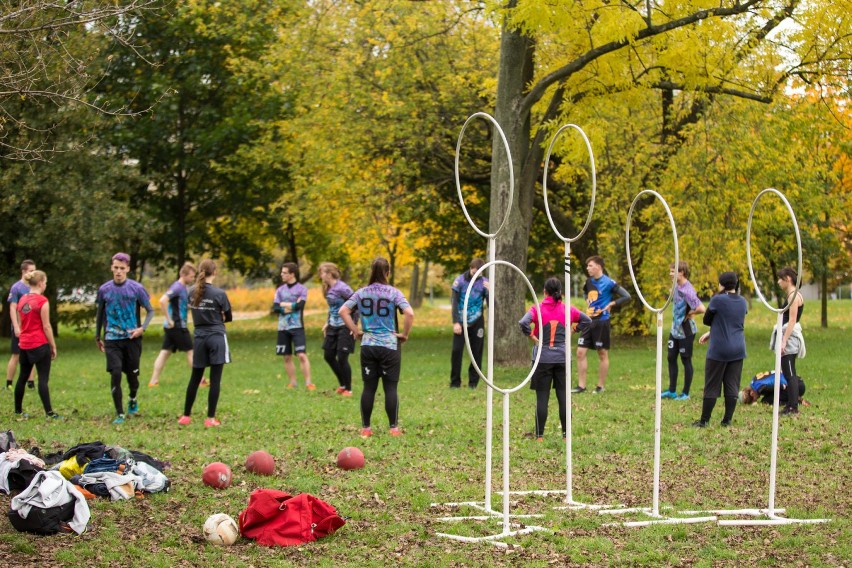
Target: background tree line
[(263, 130)]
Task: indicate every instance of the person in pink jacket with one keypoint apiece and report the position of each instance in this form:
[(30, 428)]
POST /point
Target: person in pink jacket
[(551, 340)]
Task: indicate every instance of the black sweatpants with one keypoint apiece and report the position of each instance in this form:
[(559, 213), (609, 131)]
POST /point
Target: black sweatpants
[(476, 333)]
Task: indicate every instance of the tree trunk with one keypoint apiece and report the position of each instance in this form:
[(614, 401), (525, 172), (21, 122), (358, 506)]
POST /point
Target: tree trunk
[(516, 66), (424, 283), (823, 284), (413, 295)]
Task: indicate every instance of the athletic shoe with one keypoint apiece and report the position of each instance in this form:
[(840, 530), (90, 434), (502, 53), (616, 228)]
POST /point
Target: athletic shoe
[(578, 390), (204, 383), (119, 419), (366, 432), (539, 439), (668, 394), (184, 420), (789, 411), (682, 396), (452, 386), (473, 387), (699, 424), (311, 387), (598, 390), (291, 385), (132, 407), (21, 416), (54, 416), (346, 393), (152, 385), (340, 390), (30, 384), (395, 432), (725, 423), (211, 423)]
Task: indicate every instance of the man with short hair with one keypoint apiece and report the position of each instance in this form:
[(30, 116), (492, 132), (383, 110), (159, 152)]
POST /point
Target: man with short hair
[(118, 314), (17, 290), (176, 336), (598, 289), (473, 319), (289, 303)]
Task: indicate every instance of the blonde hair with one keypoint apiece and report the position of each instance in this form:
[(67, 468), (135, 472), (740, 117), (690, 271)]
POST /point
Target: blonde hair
[(332, 269), (35, 278), (206, 269)]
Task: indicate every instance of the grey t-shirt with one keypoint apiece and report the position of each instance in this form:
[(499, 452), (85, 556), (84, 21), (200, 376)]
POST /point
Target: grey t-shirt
[(726, 317)]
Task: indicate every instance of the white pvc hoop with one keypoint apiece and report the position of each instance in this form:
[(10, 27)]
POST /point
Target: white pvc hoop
[(594, 184), (490, 118), (630, 260), (798, 248), (467, 336)]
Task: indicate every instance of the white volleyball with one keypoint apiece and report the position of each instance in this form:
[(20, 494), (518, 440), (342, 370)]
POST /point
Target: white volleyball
[(221, 529)]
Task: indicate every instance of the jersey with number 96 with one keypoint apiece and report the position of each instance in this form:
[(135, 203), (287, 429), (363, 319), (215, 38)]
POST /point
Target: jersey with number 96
[(377, 305)]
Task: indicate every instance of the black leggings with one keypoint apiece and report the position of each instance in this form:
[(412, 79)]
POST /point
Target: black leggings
[(40, 359), (688, 371), (115, 381), (212, 396), (391, 400), (542, 397), (339, 363), (788, 367)]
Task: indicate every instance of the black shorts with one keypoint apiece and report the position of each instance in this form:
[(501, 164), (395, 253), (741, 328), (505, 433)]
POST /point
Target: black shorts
[(548, 374), (177, 339), (210, 350), (123, 355), (380, 362), (339, 340), (595, 336), (16, 349), (683, 347), (291, 341), (719, 373)]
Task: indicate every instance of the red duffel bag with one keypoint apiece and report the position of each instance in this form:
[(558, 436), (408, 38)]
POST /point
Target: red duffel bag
[(276, 518)]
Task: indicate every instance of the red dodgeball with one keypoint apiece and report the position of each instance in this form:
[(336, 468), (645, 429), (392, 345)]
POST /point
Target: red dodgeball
[(217, 475), (350, 458), (261, 463)]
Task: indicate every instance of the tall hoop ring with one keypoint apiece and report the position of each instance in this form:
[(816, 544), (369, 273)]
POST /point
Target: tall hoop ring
[(630, 260), (490, 118), (594, 184), (798, 248), (467, 336)]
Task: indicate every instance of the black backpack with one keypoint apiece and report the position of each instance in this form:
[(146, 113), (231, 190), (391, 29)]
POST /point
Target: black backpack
[(44, 521)]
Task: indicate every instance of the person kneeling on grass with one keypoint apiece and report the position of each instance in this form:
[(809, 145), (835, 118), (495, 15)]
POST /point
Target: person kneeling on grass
[(763, 387), (211, 310)]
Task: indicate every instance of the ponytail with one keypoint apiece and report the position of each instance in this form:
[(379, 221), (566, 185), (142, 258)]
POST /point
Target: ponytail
[(206, 269), (553, 288)]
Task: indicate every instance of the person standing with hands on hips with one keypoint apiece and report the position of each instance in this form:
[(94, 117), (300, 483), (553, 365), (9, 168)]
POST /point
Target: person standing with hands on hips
[(118, 315), (598, 289), (685, 304), (473, 320), (381, 356)]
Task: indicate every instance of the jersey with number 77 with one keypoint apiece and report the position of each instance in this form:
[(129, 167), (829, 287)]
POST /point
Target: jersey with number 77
[(377, 305)]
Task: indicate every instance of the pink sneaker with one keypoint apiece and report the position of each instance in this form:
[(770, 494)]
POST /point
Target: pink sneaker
[(340, 390), (184, 420), (346, 393), (366, 432), (395, 432), (311, 387), (211, 422)]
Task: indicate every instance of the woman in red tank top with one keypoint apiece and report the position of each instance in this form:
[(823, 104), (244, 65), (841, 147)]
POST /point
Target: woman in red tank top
[(38, 348)]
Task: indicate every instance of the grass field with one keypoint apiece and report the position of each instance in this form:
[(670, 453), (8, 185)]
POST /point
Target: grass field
[(441, 458)]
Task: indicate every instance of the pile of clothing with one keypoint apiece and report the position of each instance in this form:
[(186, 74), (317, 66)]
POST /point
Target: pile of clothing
[(51, 491)]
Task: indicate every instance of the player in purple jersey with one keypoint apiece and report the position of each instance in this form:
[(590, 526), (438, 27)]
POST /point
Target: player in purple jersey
[(289, 303), (17, 290), (380, 342), (338, 342), (599, 290), (211, 310), (176, 335), (118, 304), (685, 305)]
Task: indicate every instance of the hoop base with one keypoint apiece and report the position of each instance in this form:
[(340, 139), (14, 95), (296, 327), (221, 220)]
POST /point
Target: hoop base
[(495, 538)]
